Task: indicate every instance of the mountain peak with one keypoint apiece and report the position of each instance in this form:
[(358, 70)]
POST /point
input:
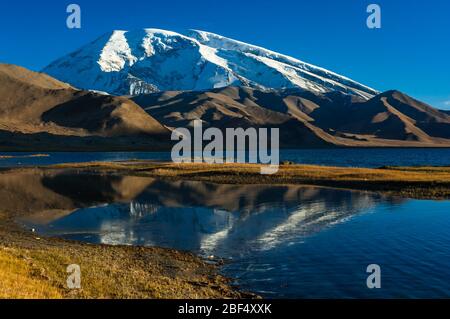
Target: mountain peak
[(152, 60)]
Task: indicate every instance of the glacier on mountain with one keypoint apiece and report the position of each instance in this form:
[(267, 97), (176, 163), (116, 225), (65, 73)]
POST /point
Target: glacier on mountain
[(153, 60)]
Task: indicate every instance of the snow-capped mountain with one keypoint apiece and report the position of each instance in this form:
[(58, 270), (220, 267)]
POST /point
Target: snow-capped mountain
[(153, 60)]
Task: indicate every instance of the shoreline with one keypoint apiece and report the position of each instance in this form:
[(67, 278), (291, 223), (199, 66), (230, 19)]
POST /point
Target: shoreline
[(35, 267), (421, 182)]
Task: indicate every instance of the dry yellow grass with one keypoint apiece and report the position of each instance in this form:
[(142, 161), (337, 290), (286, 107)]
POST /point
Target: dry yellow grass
[(18, 282), (31, 268)]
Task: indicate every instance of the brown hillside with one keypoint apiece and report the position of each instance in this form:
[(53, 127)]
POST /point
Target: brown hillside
[(308, 119), (34, 106)]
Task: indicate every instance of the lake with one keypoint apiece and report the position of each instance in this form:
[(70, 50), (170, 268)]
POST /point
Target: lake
[(348, 157), (277, 241)]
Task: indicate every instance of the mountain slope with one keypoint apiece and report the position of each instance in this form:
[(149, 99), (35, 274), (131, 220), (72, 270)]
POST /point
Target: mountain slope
[(35, 106), (153, 60), (38, 112), (307, 119)]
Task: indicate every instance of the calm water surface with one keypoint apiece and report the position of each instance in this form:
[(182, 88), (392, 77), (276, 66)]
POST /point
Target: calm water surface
[(278, 241), (332, 157)]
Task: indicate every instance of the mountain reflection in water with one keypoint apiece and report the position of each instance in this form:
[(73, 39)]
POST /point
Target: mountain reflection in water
[(206, 218), (280, 241)]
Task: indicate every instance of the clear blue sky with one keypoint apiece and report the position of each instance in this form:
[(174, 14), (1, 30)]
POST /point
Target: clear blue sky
[(411, 52)]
